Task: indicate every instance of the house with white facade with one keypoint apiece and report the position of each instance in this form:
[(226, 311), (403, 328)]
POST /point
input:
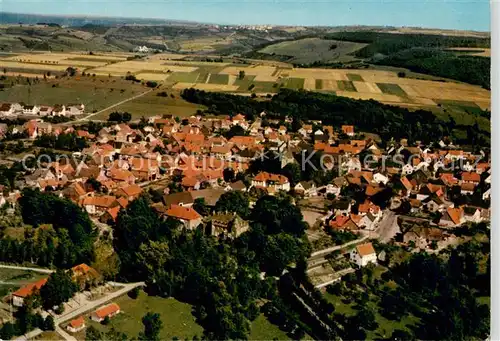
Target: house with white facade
[(363, 254)]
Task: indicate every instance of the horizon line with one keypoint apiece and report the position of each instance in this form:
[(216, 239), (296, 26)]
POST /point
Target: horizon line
[(210, 23)]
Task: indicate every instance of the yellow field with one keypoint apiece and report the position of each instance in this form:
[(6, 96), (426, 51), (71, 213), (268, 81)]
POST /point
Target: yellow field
[(309, 84), (32, 66), (329, 85), (367, 87), (134, 66), (151, 76)]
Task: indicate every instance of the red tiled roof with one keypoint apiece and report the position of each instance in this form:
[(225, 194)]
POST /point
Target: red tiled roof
[(265, 176), (471, 176), (348, 129), (107, 310), (30, 288), (365, 249), (181, 212), (77, 323)]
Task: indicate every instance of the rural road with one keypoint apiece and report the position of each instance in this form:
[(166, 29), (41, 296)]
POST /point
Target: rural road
[(15, 267), (110, 107), (92, 305)]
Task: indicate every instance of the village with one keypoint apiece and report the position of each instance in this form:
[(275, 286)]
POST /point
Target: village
[(361, 190)]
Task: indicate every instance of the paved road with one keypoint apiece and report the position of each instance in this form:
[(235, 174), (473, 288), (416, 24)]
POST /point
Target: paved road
[(90, 306), (388, 226), (110, 107), (40, 270)]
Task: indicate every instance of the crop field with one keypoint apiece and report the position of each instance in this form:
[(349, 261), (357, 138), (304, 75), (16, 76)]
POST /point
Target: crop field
[(95, 93), (391, 89), (309, 50), (218, 79), (382, 85)]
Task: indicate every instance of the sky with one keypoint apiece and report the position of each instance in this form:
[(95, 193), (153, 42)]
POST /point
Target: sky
[(446, 14)]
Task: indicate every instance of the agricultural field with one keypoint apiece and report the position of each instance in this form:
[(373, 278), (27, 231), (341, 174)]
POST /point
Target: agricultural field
[(96, 93), (311, 50), (176, 316), (382, 85), (151, 105)]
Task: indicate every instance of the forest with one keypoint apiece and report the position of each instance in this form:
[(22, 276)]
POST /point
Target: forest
[(423, 53), (370, 116), (389, 43)]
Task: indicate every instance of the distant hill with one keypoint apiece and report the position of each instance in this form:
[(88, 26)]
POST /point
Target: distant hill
[(76, 21)]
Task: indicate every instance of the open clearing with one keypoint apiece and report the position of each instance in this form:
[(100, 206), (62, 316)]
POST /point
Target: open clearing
[(176, 317), (309, 50), (263, 329)]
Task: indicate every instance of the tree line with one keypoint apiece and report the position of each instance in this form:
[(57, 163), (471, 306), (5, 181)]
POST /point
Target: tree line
[(367, 115)]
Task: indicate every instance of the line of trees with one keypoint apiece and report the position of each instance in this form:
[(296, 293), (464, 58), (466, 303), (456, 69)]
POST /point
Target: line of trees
[(385, 120)]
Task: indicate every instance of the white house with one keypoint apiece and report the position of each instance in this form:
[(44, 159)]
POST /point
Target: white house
[(380, 178), (277, 182), (30, 109), (307, 188), (363, 254)]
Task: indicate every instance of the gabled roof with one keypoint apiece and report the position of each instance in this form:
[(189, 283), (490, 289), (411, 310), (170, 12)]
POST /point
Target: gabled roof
[(365, 249), (77, 323), (182, 212), (107, 310), (30, 288)]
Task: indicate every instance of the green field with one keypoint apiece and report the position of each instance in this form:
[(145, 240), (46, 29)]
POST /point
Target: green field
[(346, 86), (183, 77), (319, 84), (176, 317), (355, 77), (392, 89), (294, 83), (244, 83), (151, 105), (96, 93), (218, 79), (262, 329), (310, 50), (262, 86)]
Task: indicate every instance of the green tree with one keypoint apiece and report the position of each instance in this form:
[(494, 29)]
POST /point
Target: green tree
[(234, 201), (152, 327), (58, 289)]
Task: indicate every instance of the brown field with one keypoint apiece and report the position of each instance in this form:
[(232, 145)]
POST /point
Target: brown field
[(26, 74), (310, 84), (134, 66), (366, 87), (166, 56), (31, 66)]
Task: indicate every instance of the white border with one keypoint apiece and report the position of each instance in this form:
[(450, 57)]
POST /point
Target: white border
[(495, 148)]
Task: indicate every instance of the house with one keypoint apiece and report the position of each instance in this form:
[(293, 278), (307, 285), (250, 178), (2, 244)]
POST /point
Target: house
[(30, 109), (306, 188), (363, 254), (76, 325), (99, 204), (471, 178), (467, 188), (227, 224), (187, 215), (472, 214), (85, 276), (7, 109), (19, 295), (129, 192), (108, 311), (422, 236), (348, 130), (277, 182), (236, 186), (343, 223), (452, 217)]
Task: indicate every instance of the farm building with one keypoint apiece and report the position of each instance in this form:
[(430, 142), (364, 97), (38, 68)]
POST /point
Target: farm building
[(29, 289), (108, 311)]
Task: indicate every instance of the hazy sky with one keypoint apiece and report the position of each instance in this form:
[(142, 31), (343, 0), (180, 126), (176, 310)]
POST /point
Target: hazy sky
[(453, 14)]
